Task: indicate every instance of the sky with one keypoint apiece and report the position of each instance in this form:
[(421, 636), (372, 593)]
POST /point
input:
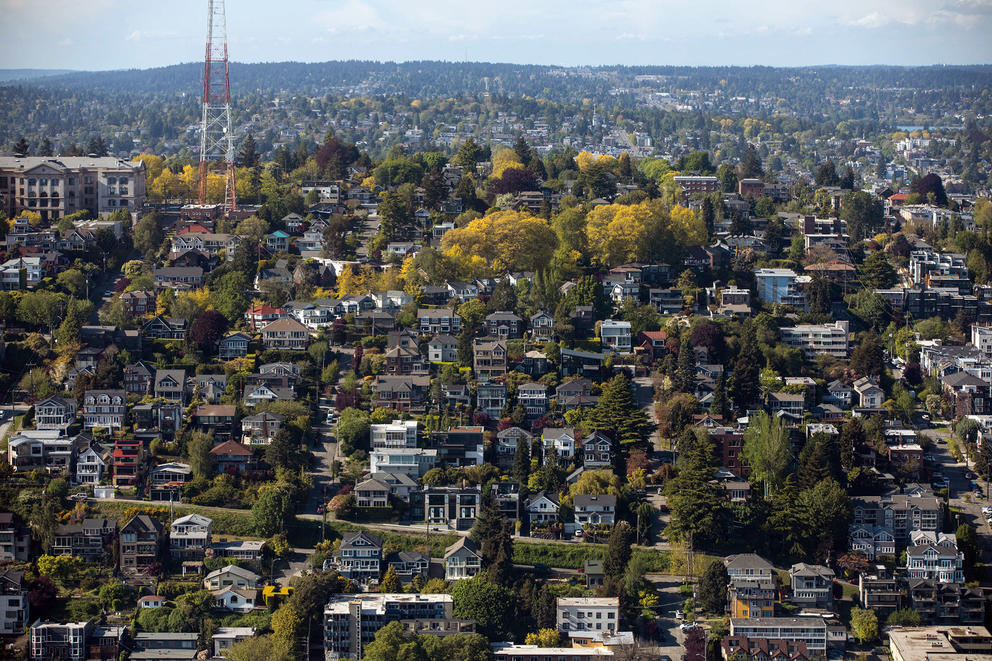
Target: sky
[(114, 34)]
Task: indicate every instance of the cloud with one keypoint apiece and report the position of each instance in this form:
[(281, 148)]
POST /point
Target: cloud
[(148, 35), (350, 16)]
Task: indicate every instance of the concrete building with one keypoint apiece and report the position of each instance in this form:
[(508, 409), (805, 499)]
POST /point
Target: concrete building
[(588, 614), (57, 186), (815, 339), (351, 621), (781, 286)]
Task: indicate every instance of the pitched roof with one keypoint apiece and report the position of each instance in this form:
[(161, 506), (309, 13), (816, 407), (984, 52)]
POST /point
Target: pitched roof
[(462, 543), (231, 448)]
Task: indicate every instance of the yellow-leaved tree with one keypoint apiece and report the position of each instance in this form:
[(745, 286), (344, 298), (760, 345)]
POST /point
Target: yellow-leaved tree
[(503, 160), (618, 233), (153, 165), (501, 242), (687, 227), (584, 160)]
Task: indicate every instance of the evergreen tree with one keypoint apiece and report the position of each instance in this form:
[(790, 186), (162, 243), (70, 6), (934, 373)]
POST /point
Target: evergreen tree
[(719, 406), (487, 531), (708, 215), (21, 147), (521, 463), (697, 503), (248, 156), (390, 583), (619, 417), (686, 370), (618, 550), (751, 164), (45, 148), (711, 594), (818, 295), (744, 384)]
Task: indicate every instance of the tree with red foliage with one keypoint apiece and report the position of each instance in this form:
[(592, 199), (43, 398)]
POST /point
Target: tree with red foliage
[(709, 335), (42, 595), (852, 563), (480, 419), (208, 327), (334, 156), (931, 183), (356, 362), (514, 180), (695, 645), (637, 458)]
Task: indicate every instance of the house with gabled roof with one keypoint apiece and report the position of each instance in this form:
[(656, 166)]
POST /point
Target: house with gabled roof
[(462, 560), (285, 334), (360, 557)]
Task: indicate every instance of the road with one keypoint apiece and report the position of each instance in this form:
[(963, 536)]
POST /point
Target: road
[(645, 398), (959, 488)]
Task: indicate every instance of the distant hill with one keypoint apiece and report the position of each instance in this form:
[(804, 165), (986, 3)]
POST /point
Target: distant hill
[(9, 75)]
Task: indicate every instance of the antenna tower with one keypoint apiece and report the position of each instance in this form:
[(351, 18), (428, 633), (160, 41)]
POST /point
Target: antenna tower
[(216, 134)]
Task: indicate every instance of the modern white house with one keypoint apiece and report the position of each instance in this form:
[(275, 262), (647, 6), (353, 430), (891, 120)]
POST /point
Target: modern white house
[(615, 335), (462, 560), (397, 434)]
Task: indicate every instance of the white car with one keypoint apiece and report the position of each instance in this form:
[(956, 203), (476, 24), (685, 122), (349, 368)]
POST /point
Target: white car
[(687, 626)]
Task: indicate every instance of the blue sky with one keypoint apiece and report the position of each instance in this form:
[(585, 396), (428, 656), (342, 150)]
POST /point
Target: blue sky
[(113, 34)]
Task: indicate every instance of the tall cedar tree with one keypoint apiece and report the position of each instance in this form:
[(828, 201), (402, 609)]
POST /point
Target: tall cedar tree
[(712, 591), (487, 530), (719, 405), (686, 370), (618, 551), (619, 417), (744, 384), (521, 463)]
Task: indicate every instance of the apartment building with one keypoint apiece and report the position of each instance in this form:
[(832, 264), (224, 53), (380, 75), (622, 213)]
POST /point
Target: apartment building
[(15, 540), (615, 335), (781, 286), (899, 513), (351, 621), (52, 640), (57, 186), (811, 630), (587, 614), (697, 184), (813, 339)]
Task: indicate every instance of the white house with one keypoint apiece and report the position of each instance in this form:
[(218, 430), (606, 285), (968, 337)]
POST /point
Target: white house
[(543, 507), (90, 466), (870, 395), (238, 600), (397, 434), (190, 536), (462, 560), (615, 335), (561, 441), (54, 413), (594, 510)]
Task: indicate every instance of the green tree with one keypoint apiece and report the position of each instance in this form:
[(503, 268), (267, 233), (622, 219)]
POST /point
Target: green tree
[(744, 383), (390, 583), (719, 406), (112, 594), (490, 605), (258, 648), (968, 545), (148, 234), (711, 593), (272, 511), (864, 214), (696, 502), (686, 368), (904, 617), (877, 272), (617, 414), (864, 624), (198, 452), (618, 550), (767, 449), (827, 512)]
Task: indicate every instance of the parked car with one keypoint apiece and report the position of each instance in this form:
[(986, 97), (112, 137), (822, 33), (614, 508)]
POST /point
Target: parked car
[(679, 615), (687, 626), (331, 417)]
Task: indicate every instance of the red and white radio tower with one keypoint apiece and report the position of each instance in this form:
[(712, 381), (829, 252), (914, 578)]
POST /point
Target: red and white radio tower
[(216, 134)]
